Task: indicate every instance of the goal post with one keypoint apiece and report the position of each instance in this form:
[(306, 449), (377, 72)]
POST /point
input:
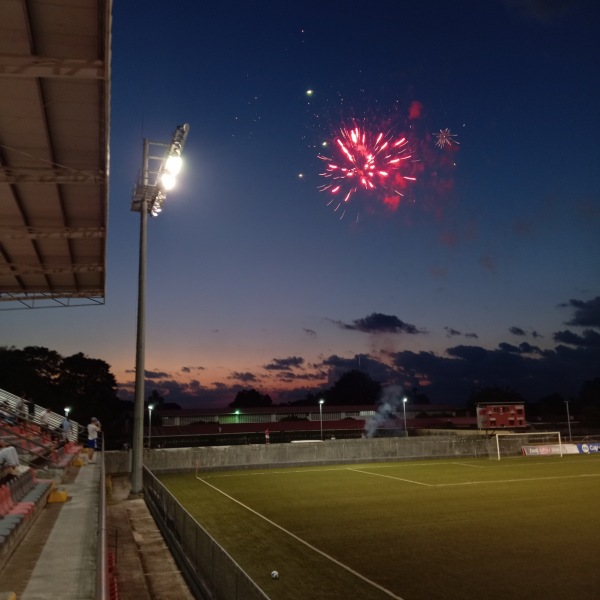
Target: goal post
[(544, 443)]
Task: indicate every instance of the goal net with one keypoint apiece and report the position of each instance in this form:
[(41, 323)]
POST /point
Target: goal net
[(547, 443)]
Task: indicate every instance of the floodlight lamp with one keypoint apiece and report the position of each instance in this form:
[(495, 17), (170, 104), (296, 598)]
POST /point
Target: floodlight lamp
[(173, 165), (321, 401), (167, 181), (404, 399)]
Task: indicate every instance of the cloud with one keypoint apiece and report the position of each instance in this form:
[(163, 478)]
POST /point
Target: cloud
[(446, 378), (450, 332), (587, 314), (527, 348), (508, 348), (380, 323), (190, 369), (245, 377), (589, 338), (472, 354), (310, 332), (155, 374), (285, 364)]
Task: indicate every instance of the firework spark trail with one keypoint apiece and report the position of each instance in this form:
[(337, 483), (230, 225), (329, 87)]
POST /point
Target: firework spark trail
[(369, 162), (444, 137)]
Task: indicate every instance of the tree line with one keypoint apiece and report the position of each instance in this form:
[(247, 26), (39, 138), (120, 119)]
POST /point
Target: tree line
[(88, 388), (84, 385)]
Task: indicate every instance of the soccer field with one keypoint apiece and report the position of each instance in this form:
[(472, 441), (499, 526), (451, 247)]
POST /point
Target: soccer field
[(520, 528)]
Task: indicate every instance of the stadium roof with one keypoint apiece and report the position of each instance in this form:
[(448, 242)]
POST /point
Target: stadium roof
[(54, 151)]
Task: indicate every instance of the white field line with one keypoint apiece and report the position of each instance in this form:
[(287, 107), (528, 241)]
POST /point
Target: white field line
[(299, 539), (439, 485), (268, 472), (208, 475), (518, 480), (457, 464), (392, 477)]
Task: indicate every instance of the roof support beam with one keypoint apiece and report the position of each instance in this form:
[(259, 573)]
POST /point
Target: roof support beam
[(13, 65)]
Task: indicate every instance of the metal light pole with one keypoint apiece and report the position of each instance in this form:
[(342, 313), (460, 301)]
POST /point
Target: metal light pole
[(150, 407), (568, 419), (321, 402), (404, 401), (148, 197)]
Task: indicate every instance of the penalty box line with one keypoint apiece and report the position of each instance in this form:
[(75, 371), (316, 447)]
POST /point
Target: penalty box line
[(392, 477), (440, 485), (307, 544)]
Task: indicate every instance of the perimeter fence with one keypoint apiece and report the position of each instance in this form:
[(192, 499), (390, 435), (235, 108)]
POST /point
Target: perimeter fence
[(210, 571)]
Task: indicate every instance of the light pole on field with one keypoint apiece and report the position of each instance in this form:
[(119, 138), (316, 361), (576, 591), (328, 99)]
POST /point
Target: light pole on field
[(149, 195), (404, 401), (150, 407), (568, 418), (321, 402)]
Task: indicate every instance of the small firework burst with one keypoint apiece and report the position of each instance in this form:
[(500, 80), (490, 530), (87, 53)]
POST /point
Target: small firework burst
[(365, 161), (443, 137)]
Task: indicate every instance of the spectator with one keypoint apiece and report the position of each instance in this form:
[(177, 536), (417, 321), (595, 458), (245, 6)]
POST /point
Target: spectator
[(6, 415), (65, 429), (20, 409), (93, 429), (45, 419), (30, 407), (10, 459)]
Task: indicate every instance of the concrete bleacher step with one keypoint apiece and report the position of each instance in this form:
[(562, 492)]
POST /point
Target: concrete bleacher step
[(21, 500)]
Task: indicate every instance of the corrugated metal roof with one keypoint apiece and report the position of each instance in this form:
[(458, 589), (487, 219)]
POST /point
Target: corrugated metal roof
[(54, 151)]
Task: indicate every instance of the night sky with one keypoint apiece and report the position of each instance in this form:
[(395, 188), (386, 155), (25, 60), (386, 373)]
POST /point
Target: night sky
[(484, 272)]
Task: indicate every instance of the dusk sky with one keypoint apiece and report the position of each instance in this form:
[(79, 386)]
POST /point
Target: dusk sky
[(484, 272)]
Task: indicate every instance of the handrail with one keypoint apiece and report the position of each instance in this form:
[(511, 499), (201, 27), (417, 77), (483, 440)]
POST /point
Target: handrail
[(102, 587)]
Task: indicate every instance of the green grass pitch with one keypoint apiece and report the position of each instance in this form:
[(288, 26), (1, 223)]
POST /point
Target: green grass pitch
[(521, 528)]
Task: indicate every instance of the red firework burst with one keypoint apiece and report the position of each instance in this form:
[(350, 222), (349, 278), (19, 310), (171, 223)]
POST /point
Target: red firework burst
[(369, 162)]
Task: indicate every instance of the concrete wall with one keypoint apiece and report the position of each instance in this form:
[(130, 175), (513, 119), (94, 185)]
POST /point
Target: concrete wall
[(305, 453)]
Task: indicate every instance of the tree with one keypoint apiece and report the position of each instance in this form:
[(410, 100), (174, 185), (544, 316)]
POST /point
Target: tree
[(33, 371), (354, 387), (250, 399), (156, 400), (588, 402), (89, 387)]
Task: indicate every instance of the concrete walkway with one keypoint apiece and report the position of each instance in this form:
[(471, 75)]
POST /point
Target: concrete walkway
[(57, 557), (146, 569)]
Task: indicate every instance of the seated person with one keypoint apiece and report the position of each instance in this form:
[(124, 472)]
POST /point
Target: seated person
[(9, 459)]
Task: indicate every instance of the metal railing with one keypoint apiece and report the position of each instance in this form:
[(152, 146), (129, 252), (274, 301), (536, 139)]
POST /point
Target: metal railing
[(208, 569), (102, 587)]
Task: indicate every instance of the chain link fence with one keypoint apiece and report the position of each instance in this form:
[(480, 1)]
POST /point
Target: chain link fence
[(209, 570)]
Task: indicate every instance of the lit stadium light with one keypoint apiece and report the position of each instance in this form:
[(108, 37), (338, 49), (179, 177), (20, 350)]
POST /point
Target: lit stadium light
[(158, 176), (173, 165), (159, 172), (321, 402)]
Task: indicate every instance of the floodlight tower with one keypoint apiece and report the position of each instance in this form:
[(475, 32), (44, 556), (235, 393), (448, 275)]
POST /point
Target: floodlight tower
[(149, 195)]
